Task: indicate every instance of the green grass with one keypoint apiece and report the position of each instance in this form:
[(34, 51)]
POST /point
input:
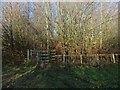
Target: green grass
[(100, 77), (80, 77)]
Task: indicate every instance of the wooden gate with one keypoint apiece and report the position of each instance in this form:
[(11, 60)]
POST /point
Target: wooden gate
[(42, 56)]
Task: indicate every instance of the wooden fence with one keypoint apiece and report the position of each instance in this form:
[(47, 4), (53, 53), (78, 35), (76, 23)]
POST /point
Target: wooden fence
[(44, 56)]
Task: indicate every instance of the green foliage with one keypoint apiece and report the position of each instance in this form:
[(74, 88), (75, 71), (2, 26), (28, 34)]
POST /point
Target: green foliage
[(81, 77)]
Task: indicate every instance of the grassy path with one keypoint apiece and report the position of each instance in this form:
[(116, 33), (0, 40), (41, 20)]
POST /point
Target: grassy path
[(80, 77), (10, 75)]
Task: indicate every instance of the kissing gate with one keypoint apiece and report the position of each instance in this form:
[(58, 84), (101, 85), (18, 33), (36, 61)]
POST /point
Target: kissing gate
[(42, 56)]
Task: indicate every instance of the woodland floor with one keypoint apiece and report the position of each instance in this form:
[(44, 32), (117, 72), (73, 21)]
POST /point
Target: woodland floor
[(56, 77)]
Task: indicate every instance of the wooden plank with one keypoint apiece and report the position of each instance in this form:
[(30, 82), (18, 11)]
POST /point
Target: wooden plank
[(44, 51), (52, 50), (44, 54), (52, 56), (52, 59), (44, 58)]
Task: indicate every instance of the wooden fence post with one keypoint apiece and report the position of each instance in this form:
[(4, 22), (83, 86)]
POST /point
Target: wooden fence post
[(28, 54), (81, 59), (113, 58), (37, 56)]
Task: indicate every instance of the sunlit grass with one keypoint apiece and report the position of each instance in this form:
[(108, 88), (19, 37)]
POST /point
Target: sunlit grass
[(80, 77)]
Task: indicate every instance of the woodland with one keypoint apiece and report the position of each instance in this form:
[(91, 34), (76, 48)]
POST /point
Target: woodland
[(84, 35)]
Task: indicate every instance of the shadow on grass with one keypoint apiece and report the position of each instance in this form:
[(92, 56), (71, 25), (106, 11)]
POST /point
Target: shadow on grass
[(81, 77), (53, 77)]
